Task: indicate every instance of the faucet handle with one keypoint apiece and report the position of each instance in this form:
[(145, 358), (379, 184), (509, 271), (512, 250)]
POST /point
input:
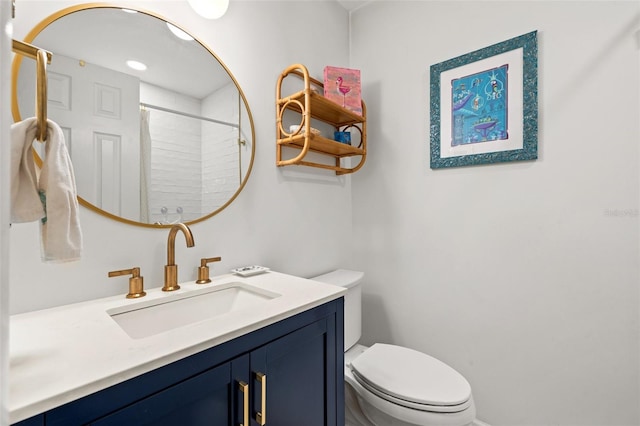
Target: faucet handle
[(136, 282), (203, 270)]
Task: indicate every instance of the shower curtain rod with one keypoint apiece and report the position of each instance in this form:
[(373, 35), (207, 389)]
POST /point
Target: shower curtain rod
[(186, 114)]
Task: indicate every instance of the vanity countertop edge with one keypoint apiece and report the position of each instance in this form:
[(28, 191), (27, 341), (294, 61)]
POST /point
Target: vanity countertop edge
[(61, 354)]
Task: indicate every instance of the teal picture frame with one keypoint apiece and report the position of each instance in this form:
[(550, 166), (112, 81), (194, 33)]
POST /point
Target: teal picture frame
[(484, 105)]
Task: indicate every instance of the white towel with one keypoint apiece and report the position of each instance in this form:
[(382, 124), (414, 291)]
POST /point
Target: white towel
[(55, 188), (25, 201)]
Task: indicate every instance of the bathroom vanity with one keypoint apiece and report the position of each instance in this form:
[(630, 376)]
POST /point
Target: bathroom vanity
[(275, 357)]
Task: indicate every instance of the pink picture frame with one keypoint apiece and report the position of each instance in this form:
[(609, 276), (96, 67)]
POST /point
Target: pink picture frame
[(343, 86)]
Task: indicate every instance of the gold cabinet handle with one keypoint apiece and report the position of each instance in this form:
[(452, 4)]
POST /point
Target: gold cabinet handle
[(244, 388), (261, 416)]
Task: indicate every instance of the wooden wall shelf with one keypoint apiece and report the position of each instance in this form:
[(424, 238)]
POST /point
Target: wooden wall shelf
[(310, 104)]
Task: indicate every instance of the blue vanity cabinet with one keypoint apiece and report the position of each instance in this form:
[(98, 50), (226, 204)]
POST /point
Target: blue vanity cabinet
[(32, 421), (291, 371)]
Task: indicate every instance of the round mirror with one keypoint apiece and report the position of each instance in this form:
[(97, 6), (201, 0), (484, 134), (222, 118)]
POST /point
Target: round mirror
[(157, 128)]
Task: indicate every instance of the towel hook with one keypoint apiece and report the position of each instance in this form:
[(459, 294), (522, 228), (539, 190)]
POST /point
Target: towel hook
[(41, 94), (42, 58)]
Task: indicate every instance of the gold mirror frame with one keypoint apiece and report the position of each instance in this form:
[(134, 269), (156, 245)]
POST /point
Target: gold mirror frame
[(29, 38)]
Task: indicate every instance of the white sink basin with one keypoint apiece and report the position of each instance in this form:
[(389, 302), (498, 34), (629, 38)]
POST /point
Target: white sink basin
[(151, 317)]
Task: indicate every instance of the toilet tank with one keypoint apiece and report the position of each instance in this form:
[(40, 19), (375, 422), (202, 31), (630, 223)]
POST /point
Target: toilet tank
[(352, 281)]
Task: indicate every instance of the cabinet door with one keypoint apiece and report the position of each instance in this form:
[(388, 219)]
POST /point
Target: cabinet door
[(293, 378), (210, 398)]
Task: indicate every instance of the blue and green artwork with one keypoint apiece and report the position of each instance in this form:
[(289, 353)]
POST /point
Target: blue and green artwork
[(479, 107)]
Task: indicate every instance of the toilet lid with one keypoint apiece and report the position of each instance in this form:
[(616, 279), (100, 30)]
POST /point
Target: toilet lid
[(411, 376)]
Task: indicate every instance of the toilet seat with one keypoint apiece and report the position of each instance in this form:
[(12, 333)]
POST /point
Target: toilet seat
[(411, 379)]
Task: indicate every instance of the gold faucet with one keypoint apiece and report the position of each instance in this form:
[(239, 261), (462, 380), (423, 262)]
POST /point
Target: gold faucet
[(171, 269), (136, 282), (203, 270)]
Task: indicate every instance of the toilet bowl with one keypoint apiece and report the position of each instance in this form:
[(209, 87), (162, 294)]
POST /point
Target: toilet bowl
[(390, 385)]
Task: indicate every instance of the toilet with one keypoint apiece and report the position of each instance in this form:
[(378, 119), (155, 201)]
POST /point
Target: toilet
[(389, 385)]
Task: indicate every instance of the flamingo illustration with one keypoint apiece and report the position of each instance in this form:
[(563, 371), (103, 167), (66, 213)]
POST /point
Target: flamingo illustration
[(343, 90)]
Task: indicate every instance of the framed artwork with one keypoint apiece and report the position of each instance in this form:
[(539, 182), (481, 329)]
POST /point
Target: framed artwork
[(484, 105), (342, 86)]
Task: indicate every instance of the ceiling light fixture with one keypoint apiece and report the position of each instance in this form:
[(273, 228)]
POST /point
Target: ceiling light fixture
[(139, 66), (210, 9)]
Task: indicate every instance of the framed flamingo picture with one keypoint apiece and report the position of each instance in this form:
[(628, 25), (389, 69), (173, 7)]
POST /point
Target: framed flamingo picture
[(484, 105), (342, 86)]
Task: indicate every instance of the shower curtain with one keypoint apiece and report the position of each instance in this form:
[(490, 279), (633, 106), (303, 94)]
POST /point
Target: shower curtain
[(145, 164)]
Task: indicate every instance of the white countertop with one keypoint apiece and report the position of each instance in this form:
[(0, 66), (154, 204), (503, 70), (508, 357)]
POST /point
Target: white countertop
[(61, 354)]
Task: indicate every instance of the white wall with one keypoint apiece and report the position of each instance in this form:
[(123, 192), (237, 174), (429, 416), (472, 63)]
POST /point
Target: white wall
[(5, 118), (294, 220), (523, 276)]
